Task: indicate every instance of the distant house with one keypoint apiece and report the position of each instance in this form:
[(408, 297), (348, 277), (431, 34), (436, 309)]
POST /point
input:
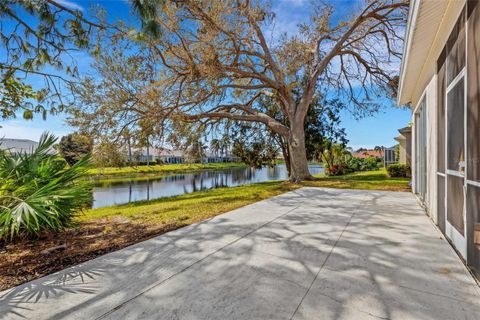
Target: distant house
[(369, 154), (389, 156), (18, 146), (173, 156), (404, 140), (440, 80)]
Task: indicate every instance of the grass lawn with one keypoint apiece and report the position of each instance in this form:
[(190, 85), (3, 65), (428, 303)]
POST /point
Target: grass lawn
[(190, 208), (107, 229), (197, 206), (161, 169), (367, 180)]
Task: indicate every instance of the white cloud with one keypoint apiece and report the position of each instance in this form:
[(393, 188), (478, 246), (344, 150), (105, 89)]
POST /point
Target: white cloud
[(70, 4)]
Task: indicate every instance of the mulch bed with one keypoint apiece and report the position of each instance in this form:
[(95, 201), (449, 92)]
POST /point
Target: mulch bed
[(26, 259)]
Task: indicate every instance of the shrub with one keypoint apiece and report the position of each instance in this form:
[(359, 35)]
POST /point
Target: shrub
[(75, 146), (398, 170), (40, 191), (362, 164), (337, 170), (107, 154), (335, 160), (143, 163)]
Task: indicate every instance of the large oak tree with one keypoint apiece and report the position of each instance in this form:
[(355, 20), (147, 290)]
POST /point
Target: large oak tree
[(217, 59)]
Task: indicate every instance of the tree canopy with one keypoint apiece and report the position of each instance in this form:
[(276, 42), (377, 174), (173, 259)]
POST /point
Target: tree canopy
[(38, 38), (217, 60), (205, 62)]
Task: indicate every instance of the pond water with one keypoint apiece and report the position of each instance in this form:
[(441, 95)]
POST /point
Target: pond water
[(125, 191)]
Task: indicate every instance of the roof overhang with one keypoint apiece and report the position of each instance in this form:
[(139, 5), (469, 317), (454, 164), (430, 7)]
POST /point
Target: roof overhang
[(429, 25)]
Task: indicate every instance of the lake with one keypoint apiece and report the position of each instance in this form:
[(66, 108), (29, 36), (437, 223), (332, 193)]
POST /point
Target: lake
[(126, 191)]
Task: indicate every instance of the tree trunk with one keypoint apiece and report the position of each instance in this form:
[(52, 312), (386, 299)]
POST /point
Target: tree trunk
[(129, 151), (298, 153), (286, 155), (148, 152)]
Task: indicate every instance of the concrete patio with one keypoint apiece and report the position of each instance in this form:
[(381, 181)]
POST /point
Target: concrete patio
[(308, 254)]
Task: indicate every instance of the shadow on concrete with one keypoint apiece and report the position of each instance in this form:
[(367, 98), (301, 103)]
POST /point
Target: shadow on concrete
[(308, 254)]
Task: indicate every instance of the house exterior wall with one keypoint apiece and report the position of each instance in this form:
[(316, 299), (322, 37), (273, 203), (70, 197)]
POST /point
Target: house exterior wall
[(408, 148), (402, 151), (446, 21), (450, 189), (431, 95)]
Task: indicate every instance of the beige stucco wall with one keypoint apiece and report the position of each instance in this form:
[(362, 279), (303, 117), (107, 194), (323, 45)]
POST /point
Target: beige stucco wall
[(403, 152)]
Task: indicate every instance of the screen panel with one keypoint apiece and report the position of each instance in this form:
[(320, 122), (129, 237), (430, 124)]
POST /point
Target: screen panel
[(456, 49), (473, 227), (473, 89), (441, 202), (455, 127), (442, 88), (455, 202)]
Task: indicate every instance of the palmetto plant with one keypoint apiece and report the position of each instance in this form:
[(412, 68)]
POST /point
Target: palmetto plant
[(39, 191)]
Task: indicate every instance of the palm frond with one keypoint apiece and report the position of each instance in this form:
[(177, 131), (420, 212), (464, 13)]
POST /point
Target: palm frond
[(39, 191)]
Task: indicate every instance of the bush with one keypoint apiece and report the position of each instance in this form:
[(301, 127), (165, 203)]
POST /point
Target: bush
[(143, 163), (335, 160), (337, 170), (398, 170), (362, 164), (74, 147), (40, 191), (107, 154)]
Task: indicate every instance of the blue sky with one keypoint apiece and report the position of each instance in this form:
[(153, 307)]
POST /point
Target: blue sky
[(379, 129)]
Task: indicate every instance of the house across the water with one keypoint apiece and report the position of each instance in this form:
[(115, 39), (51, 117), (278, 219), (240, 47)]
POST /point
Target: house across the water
[(440, 79), (173, 156), (18, 146)]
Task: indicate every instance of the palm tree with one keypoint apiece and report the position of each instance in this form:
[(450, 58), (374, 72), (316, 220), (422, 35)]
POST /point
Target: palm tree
[(215, 146), (40, 191), (226, 141)]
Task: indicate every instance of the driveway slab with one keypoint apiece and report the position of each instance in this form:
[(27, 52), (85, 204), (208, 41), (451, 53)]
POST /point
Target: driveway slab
[(313, 253)]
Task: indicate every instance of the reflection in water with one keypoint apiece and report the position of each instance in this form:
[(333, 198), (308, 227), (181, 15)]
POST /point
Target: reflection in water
[(128, 191)]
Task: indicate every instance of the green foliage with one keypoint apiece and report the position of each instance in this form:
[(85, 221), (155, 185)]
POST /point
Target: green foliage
[(255, 154), (145, 163), (399, 170), (338, 161), (147, 10), (322, 126), (253, 143), (363, 164), (13, 96), (74, 147), (36, 34), (39, 191), (195, 151), (335, 160), (107, 154)]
